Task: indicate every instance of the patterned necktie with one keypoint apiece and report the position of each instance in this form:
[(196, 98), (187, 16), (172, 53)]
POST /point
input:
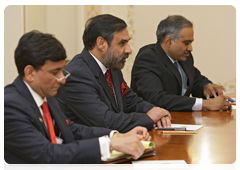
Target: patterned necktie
[(49, 122), (109, 80)]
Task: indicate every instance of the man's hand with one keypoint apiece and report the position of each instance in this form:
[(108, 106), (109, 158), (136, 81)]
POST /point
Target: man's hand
[(217, 103), (130, 142), (161, 117), (142, 132), (212, 89)]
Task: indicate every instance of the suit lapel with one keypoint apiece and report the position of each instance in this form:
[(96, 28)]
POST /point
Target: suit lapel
[(168, 63), (37, 117), (99, 75), (103, 82), (117, 89)]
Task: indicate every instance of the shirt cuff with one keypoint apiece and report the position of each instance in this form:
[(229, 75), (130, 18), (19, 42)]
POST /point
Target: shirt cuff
[(105, 146), (198, 105), (112, 133)]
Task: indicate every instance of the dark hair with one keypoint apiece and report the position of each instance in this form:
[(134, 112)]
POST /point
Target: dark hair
[(171, 26), (34, 48), (101, 25)]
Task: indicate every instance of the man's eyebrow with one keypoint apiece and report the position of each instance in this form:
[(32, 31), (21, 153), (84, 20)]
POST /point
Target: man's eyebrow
[(188, 40), (124, 40), (56, 69)]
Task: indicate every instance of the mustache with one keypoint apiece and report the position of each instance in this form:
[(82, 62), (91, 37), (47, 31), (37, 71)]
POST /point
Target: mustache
[(125, 56), (187, 52)]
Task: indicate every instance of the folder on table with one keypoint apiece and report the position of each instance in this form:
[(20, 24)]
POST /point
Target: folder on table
[(119, 157)]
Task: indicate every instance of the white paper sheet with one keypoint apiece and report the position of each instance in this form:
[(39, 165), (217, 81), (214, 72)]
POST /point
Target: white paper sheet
[(160, 164), (188, 127)]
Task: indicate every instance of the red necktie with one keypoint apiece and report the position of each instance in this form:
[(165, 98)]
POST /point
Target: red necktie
[(49, 122), (109, 80)]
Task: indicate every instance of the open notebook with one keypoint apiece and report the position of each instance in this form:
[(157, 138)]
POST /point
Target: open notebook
[(119, 157)]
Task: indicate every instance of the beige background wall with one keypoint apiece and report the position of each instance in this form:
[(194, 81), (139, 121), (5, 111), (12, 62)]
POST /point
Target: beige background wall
[(214, 48), (13, 29)]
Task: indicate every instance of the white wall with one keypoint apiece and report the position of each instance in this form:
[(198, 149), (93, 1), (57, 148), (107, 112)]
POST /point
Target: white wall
[(61, 20), (13, 30), (35, 18), (214, 48)]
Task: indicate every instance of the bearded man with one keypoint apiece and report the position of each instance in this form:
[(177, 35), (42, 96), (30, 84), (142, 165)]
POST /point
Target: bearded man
[(96, 93)]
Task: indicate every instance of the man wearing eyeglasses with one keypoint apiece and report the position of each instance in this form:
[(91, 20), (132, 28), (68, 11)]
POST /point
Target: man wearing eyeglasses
[(35, 129)]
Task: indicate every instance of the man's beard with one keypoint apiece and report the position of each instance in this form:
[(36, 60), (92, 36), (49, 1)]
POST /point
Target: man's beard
[(114, 62)]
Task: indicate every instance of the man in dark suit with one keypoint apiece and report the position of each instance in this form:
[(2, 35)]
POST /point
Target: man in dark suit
[(36, 130), (164, 73), (96, 93)]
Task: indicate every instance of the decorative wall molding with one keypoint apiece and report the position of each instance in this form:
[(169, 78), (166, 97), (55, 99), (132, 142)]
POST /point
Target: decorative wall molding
[(91, 11), (130, 23)]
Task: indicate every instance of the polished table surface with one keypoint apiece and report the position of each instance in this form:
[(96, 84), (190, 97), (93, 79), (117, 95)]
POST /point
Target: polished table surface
[(214, 143)]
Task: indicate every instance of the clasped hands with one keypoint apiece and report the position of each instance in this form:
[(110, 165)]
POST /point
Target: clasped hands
[(130, 142), (160, 116), (219, 101)]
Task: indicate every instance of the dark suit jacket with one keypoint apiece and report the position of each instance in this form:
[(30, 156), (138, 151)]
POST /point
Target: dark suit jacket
[(157, 80), (86, 98), (26, 139)]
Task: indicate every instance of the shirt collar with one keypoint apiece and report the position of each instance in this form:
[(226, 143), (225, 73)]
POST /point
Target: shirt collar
[(103, 68), (171, 59), (37, 98)]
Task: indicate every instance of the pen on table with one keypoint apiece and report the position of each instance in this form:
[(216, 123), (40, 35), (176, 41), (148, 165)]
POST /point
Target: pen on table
[(172, 128), (232, 102), (179, 132)]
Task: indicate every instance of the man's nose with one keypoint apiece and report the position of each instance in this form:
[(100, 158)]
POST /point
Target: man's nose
[(128, 49), (190, 48), (63, 81), (62, 78)]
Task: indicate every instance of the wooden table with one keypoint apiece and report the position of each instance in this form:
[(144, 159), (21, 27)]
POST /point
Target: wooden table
[(215, 143)]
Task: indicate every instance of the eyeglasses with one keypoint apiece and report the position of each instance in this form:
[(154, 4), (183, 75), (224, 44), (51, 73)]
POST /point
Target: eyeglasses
[(59, 79)]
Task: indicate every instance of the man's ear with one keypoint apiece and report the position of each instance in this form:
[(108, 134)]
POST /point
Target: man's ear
[(168, 41), (101, 43), (29, 73)]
